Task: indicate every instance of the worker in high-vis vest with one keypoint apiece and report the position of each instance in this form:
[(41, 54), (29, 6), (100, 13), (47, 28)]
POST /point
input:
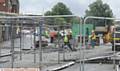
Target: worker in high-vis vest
[(70, 34), (93, 39), (66, 42), (46, 34), (108, 37)]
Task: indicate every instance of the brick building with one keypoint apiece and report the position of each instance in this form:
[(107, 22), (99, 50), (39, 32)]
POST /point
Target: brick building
[(11, 6), (7, 7)]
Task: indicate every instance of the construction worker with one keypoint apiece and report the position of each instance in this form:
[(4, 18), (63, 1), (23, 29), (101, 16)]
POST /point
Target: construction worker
[(66, 42), (93, 39), (108, 37), (87, 34), (70, 34), (52, 36), (46, 33)]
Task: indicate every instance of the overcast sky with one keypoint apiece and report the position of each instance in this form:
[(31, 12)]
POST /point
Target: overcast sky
[(77, 7)]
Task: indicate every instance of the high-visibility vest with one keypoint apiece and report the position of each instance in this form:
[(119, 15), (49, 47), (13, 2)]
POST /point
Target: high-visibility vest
[(108, 37), (46, 33), (18, 30), (93, 37), (71, 31), (65, 39)]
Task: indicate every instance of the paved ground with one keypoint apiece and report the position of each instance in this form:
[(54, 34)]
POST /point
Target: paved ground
[(91, 67), (50, 56)]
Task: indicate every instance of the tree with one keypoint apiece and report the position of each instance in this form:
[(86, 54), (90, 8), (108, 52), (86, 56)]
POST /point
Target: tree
[(75, 20), (60, 21), (49, 20), (59, 9), (48, 13), (99, 9)]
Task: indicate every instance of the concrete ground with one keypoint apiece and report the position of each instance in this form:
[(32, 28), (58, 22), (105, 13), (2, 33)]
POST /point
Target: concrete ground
[(51, 57), (91, 67)]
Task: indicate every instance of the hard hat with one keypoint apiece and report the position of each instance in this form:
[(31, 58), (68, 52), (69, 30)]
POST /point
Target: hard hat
[(93, 31), (70, 31)]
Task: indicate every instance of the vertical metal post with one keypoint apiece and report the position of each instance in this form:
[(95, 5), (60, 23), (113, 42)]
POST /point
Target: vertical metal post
[(0, 48), (80, 51), (34, 44), (23, 40), (59, 47), (1, 42), (20, 41), (31, 39), (40, 45), (114, 48), (64, 54), (84, 45), (12, 46)]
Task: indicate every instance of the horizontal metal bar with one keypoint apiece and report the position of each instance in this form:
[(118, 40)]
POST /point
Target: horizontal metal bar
[(116, 32), (99, 57), (107, 18), (16, 26), (50, 26), (16, 14), (117, 43), (62, 67), (38, 17)]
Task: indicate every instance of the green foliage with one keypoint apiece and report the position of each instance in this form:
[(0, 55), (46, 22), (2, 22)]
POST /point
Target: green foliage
[(60, 21), (75, 20), (59, 9), (100, 9), (48, 13)]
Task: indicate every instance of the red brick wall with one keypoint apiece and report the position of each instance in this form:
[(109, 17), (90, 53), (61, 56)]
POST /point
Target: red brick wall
[(2, 7), (2, 1), (5, 8)]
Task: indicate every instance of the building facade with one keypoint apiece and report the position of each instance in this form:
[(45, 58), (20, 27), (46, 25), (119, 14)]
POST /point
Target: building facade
[(7, 7), (11, 6)]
